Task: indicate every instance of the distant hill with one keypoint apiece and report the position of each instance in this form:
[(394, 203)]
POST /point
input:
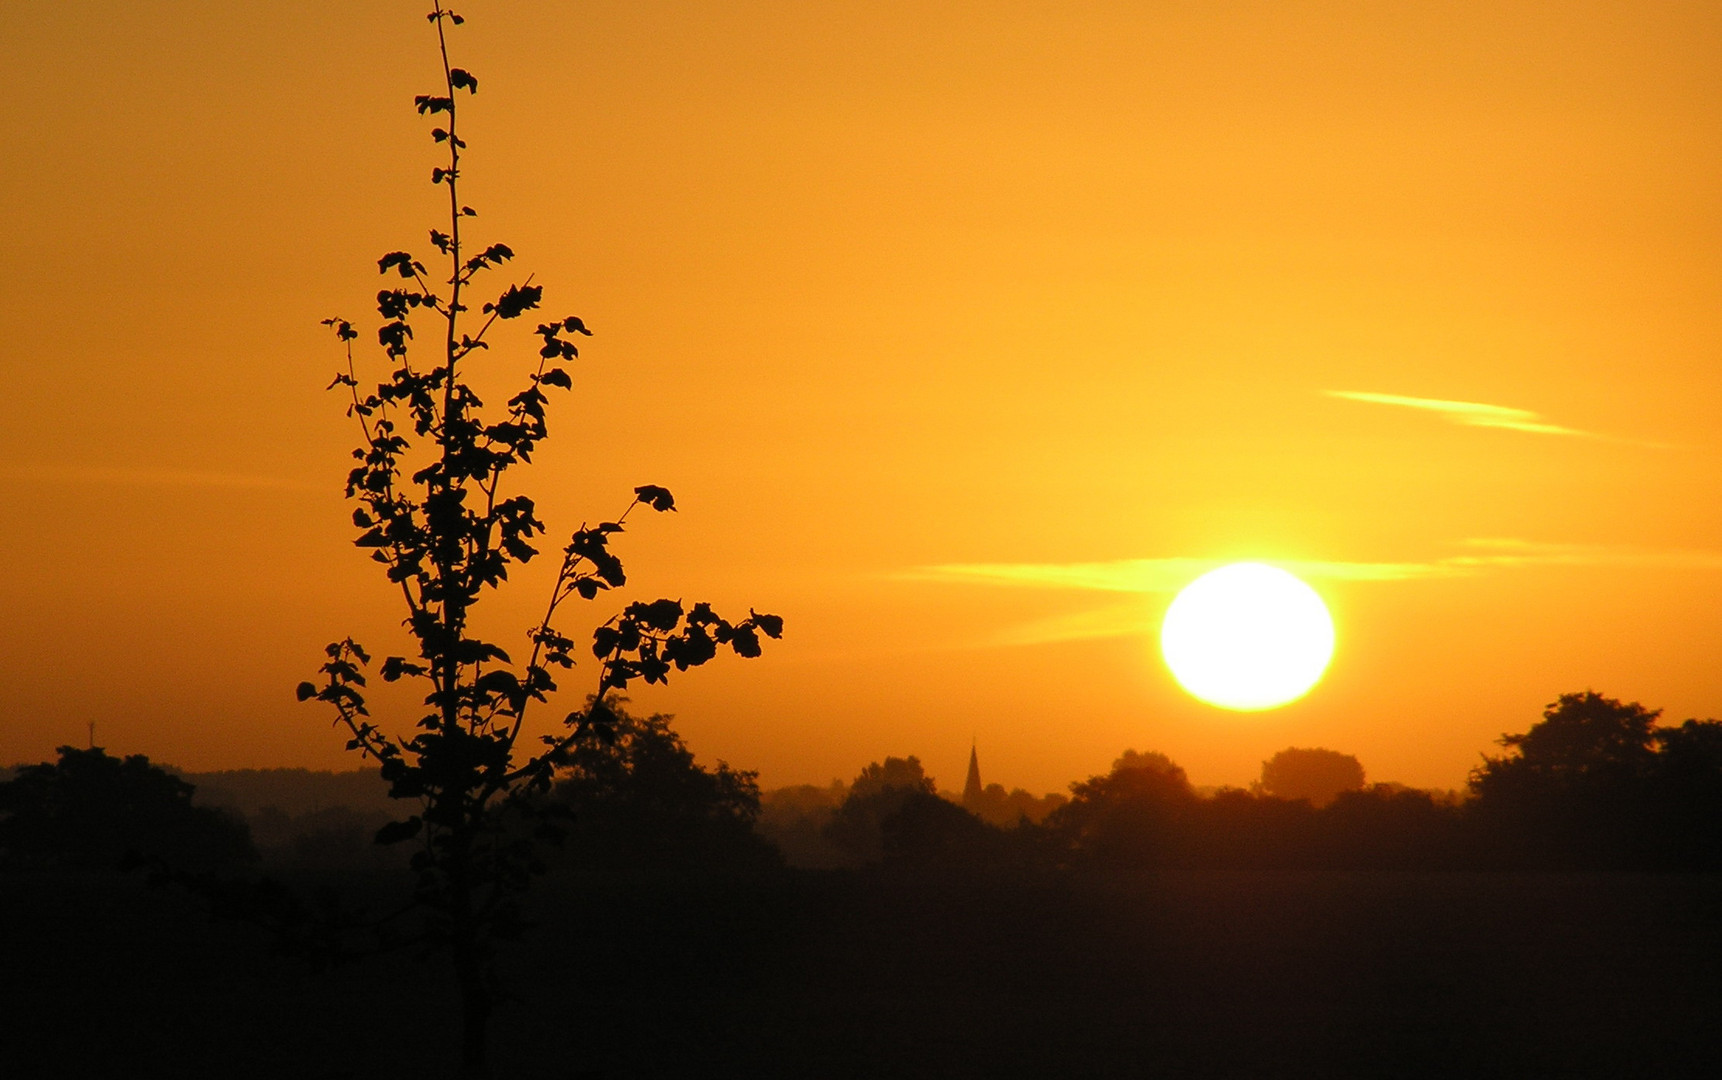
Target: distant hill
[(294, 792)]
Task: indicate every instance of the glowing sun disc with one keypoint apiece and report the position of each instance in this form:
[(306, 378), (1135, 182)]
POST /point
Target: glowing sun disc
[(1247, 637)]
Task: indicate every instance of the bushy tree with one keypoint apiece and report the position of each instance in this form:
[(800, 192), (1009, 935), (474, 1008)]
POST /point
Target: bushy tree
[(929, 831), (1005, 809), (879, 791), (641, 798), (1135, 813), (1597, 783), (90, 809), (1316, 775), (1583, 738), (437, 514)]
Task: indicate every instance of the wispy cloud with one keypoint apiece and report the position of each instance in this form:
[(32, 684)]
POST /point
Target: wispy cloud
[(1469, 413), (1156, 575), (1508, 552), (146, 477), (1165, 576), (1119, 620)]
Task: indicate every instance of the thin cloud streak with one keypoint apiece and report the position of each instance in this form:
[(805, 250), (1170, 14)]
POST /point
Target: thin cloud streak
[(145, 477), (1166, 576), (1469, 413), (1158, 575)]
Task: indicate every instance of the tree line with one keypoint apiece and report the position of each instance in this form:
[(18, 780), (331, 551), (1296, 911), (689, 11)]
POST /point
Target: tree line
[(1596, 783)]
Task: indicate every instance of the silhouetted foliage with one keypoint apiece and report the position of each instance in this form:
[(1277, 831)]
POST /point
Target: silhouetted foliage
[(1315, 775), (1116, 901), (879, 791), (1005, 809), (1388, 827), (794, 818), (1144, 814), (640, 798), (1597, 784), (89, 809), (1134, 813), (927, 830), (435, 513)]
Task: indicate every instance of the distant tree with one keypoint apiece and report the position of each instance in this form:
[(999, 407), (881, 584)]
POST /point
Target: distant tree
[(794, 820), (1135, 813), (1689, 786), (1390, 827), (1235, 828), (1152, 760), (1005, 809), (1583, 738), (927, 830), (1691, 752), (879, 791), (894, 774), (641, 797), (1315, 775), (1579, 788), (89, 809), (436, 514)]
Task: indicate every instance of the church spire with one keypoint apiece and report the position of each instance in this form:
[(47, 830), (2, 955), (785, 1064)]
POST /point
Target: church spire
[(972, 787)]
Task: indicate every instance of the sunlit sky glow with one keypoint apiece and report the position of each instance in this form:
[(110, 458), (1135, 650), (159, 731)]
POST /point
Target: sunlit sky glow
[(965, 334)]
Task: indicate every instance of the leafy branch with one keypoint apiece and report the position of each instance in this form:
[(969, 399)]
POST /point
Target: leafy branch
[(433, 509)]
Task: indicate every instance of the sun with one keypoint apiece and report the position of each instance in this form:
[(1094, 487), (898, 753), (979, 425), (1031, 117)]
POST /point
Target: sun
[(1247, 637)]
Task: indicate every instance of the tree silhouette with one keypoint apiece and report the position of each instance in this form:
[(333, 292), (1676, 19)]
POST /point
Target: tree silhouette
[(1135, 813), (1583, 788), (1317, 775), (881, 789), (1582, 737), (435, 513), (641, 798), (90, 809)]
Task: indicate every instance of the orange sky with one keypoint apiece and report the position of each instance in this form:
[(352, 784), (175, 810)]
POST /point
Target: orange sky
[(916, 308)]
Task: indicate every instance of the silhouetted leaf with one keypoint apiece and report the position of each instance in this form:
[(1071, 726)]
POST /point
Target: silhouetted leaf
[(745, 642), (659, 614), (516, 301), (399, 260), (655, 497), (396, 831), (395, 667)]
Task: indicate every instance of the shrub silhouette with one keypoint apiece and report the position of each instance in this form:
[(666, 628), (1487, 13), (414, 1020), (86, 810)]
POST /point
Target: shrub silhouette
[(1597, 783), (927, 830), (881, 789), (89, 809), (640, 798), (1005, 809), (1316, 775), (1135, 813), (434, 511)]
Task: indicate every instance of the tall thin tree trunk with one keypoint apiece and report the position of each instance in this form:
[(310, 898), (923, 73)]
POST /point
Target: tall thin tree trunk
[(474, 1015)]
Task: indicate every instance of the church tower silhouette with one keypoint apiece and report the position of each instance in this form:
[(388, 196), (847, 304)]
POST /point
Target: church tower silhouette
[(972, 786)]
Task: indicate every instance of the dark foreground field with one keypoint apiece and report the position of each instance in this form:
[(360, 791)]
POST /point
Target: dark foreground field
[(876, 974)]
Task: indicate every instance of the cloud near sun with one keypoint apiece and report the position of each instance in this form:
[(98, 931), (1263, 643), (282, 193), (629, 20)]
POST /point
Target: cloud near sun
[(1162, 576), (1469, 413)]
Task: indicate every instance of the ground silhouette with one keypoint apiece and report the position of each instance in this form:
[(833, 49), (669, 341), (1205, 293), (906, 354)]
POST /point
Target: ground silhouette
[(1144, 927)]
